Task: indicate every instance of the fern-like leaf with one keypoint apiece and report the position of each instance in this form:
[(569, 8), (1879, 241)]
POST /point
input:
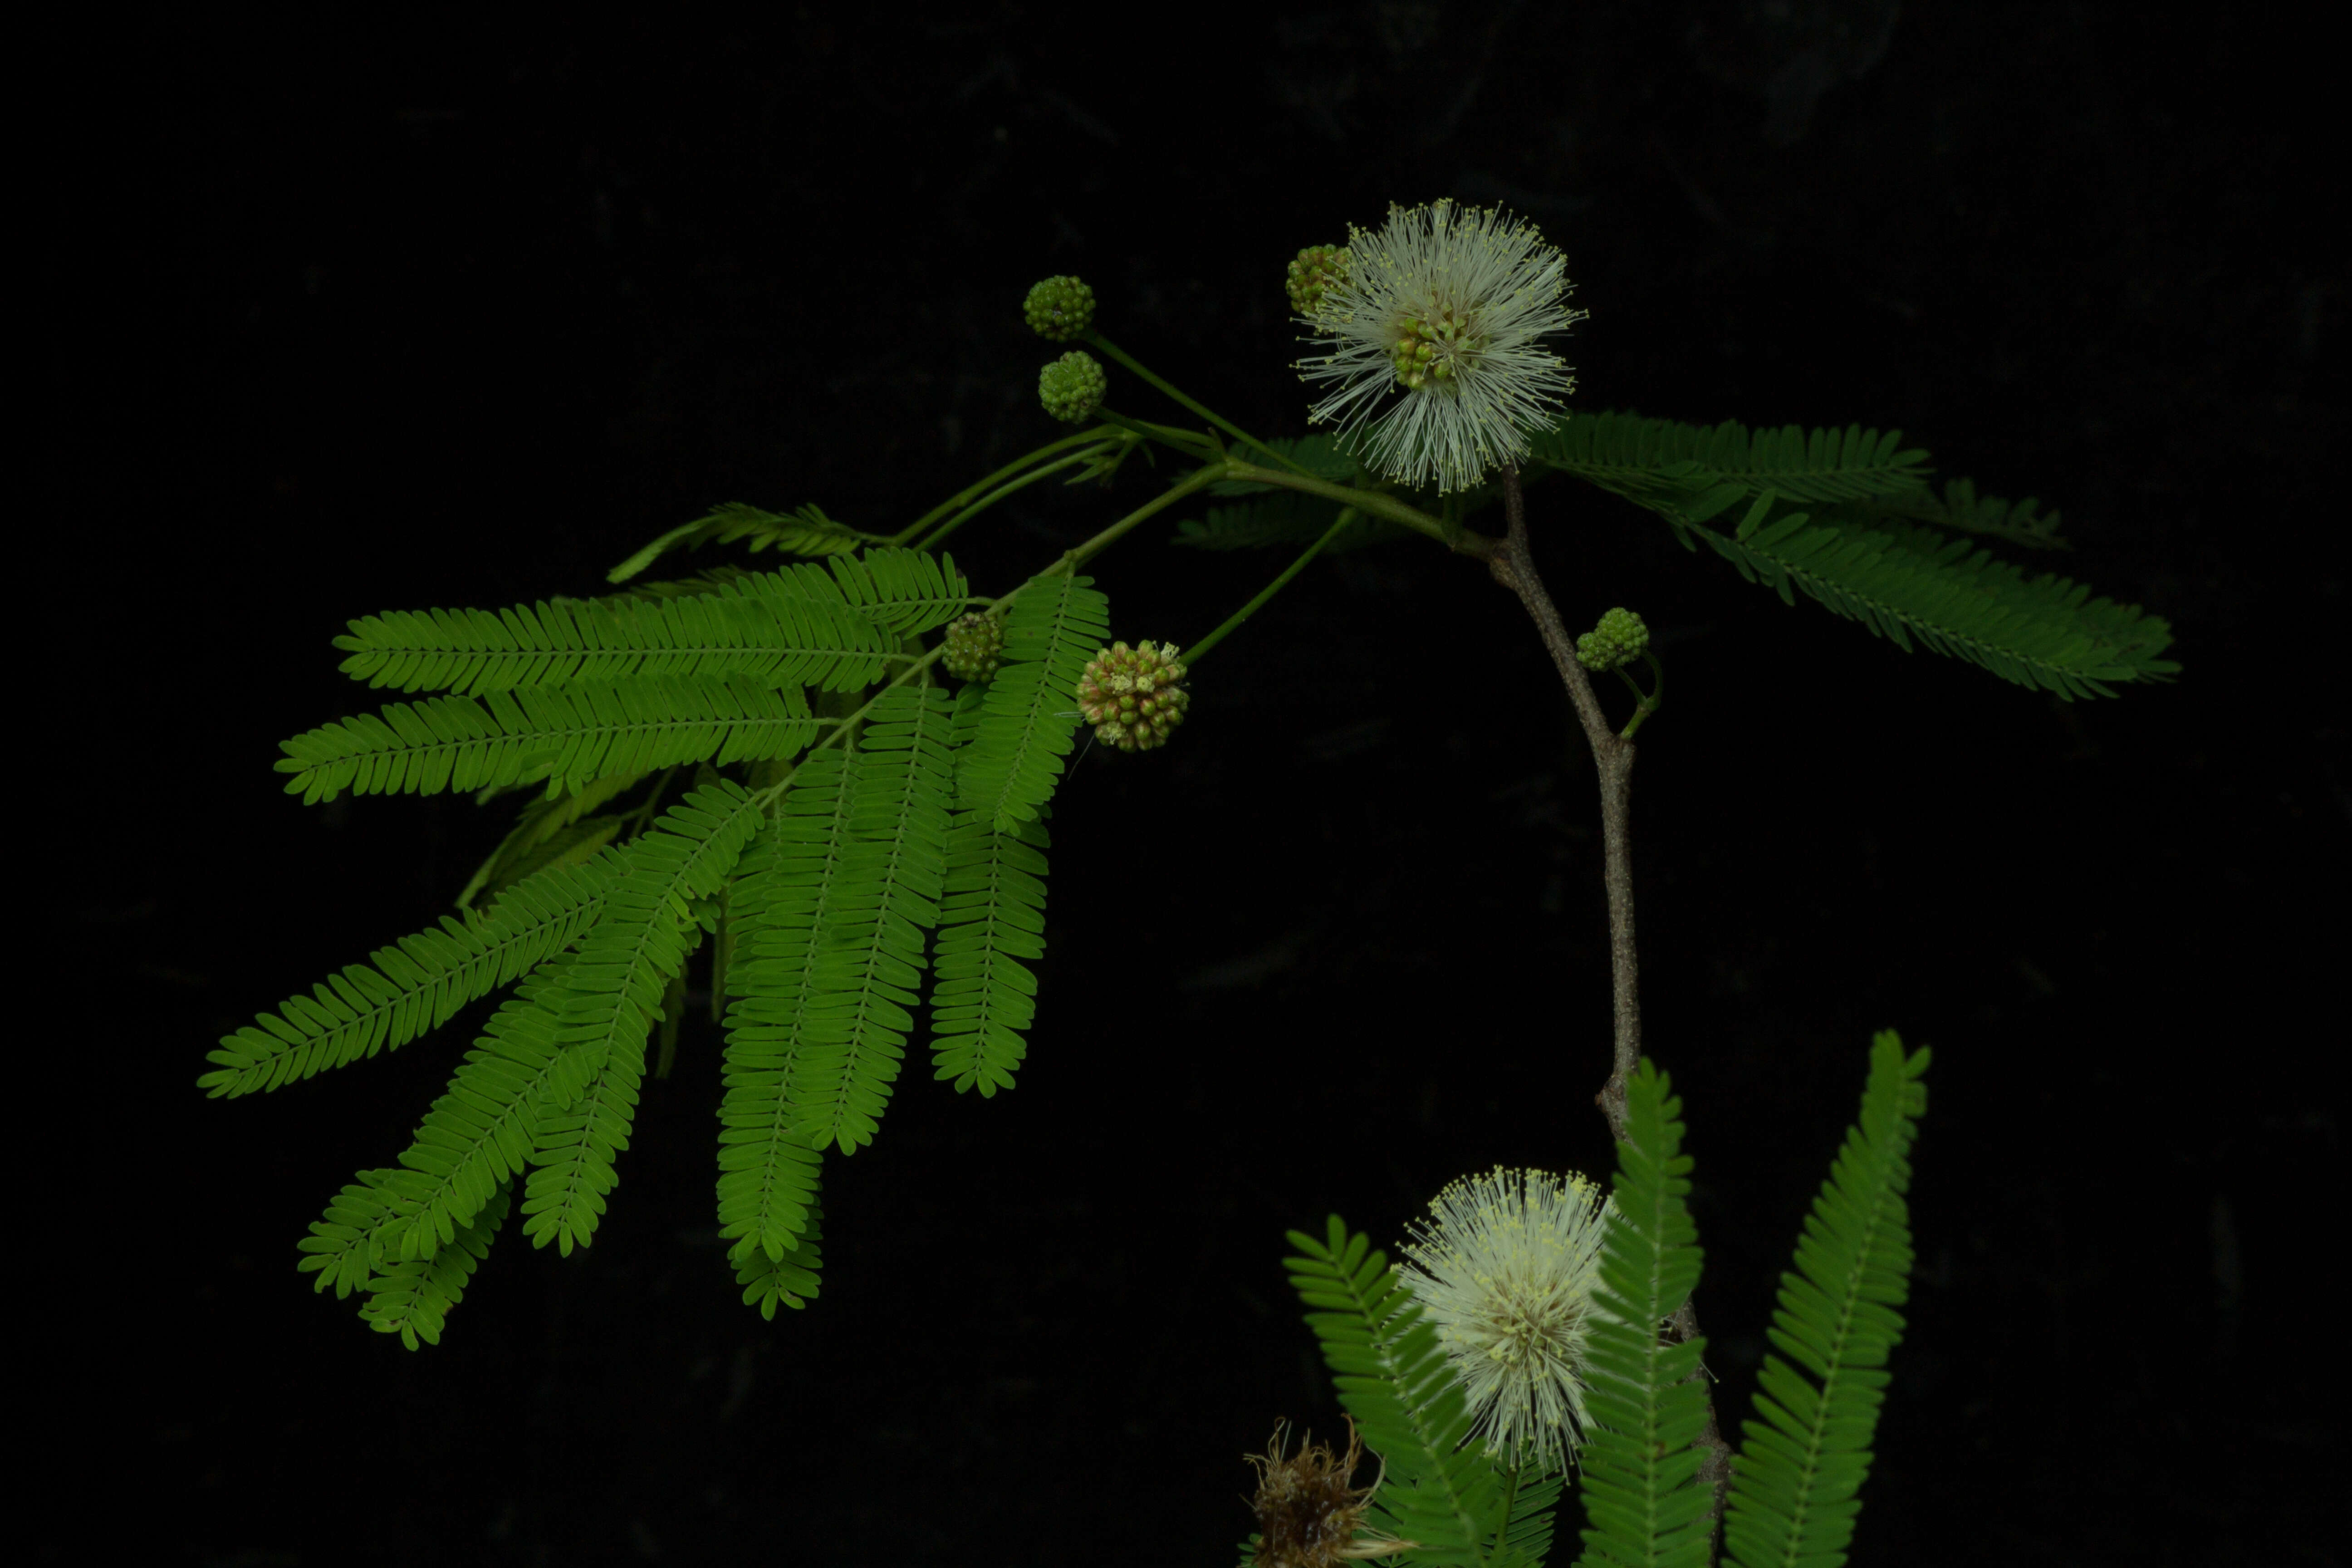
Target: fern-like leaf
[(1392, 1377), (480, 1133), (415, 985), (612, 992), (1647, 1403), (2043, 632), (806, 532), (790, 1280), (365, 1226), (904, 591), (1647, 459), (777, 917), (991, 917), (1960, 509), (783, 628), (570, 734), (1031, 706), (1526, 1536), (415, 1297), (1795, 1480), (853, 1032)]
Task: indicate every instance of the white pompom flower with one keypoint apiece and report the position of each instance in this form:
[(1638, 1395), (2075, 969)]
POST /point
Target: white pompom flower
[(1449, 306), (1506, 1269)]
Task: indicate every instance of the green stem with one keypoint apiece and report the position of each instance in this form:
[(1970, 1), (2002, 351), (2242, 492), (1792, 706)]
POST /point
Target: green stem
[(1193, 655), (1227, 426), (1646, 702), (1467, 542), (1510, 1496), (1192, 443), (915, 528), (930, 541)]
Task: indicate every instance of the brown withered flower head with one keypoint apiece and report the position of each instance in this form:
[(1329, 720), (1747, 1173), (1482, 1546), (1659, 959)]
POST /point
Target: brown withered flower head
[(1308, 1515)]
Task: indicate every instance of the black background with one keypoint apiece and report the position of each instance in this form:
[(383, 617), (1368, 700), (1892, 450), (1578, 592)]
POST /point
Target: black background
[(463, 315)]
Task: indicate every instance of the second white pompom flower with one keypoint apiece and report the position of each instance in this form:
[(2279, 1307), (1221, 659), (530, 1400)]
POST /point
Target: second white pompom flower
[(1450, 306), (1505, 1268)]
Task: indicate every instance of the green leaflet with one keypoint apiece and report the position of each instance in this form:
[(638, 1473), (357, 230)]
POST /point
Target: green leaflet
[(612, 993), (1961, 508), (790, 1280), (572, 735), (991, 916), (1030, 709), (902, 591), (414, 1298), (1795, 1480), (1644, 459), (767, 1171), (1392, 1378), (835, 948), (480, 1133), (773, 629), (417, 984), (1647, 1398), (805, 532), (2042, 631)]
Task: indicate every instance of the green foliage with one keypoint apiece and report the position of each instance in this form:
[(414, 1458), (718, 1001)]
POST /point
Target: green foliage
[(412, 1298), (1954, 597), (1650, 460), (793, 627), (569, 735), (417, 984), (1030, 710), (991, 917), (789, 1280), (1647, 1397), (1441, 1491), (1795, 1480), (1865, 545), (375, 1223), (612, 993), (805, 532)]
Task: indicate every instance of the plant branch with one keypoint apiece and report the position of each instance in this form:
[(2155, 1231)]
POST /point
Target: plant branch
[(1513, 565), (1193, 653), (1227, 426)]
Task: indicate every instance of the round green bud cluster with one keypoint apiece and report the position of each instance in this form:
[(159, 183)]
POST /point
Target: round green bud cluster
[(1134, 697), (1617, 641), (1314, 271), (975, 646), (1429, 346), (1059, 308), (1072, 387)]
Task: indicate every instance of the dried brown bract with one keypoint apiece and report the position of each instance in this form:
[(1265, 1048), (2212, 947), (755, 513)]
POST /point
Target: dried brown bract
[(1307, 1516)]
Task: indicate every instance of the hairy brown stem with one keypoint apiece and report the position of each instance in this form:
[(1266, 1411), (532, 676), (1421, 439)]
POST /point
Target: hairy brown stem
[(1514, 567)]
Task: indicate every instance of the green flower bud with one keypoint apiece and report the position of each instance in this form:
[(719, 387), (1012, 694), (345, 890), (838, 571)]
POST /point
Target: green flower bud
[(974, 644), (1134, 697), (1059, 308), (1071, 387), (1313, 272), (1617, 641)]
